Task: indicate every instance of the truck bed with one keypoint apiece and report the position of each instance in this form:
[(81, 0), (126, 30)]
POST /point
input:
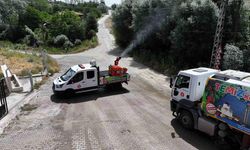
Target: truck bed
[(104, 73), (106, 79)]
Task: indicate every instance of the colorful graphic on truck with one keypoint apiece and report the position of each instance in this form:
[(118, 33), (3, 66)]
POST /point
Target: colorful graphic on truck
[(229, 103)]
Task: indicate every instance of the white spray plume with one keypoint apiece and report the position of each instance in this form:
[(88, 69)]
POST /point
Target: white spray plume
[(155, 22)]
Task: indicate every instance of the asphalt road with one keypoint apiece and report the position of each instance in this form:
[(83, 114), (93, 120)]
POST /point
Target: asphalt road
[(136, 117)]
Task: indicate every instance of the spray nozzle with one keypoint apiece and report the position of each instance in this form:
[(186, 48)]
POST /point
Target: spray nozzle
[(117, 60)]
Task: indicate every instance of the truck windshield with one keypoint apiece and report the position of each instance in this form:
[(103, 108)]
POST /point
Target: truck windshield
[(182, 81), (68, 75)]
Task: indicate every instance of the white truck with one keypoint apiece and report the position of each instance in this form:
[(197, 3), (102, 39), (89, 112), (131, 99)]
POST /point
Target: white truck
[(214, 102), (87, 77)]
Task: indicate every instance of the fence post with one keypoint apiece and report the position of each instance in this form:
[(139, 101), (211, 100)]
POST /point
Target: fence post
[(45, 61), (31, 81)]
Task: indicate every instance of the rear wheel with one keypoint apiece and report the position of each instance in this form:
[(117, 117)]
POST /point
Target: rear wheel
[(186, 119)]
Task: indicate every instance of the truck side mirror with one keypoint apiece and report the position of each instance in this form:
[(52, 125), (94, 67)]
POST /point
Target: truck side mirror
[(171, 82)]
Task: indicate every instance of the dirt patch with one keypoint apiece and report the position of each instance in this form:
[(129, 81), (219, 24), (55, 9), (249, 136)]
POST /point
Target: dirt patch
[(108, 24), (28, 107), (39, 84)]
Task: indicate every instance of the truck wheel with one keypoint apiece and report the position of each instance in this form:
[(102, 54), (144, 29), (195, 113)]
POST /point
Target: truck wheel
[(186, 119)]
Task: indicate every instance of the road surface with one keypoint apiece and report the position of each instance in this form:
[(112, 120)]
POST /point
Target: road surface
[(136, 117)]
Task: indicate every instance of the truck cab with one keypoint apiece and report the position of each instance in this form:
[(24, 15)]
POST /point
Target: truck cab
[(77, 78), (187, 91), (190, 84)]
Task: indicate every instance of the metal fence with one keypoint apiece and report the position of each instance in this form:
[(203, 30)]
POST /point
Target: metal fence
[(3, 102)]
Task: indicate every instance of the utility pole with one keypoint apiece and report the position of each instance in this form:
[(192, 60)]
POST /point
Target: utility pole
[(217, 46)]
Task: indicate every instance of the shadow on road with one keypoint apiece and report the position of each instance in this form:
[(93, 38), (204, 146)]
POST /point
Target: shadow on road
[(88, 96), (195, 138)]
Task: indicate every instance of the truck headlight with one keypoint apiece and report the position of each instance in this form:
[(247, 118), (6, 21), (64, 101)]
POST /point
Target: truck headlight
[(59, 85)]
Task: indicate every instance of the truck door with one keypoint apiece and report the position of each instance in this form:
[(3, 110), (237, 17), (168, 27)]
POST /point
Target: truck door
[(181, 89), (91, 79), (75, 82)]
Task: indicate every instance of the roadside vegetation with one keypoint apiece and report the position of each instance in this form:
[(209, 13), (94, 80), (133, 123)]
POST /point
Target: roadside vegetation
[(56, 26), (176, 34), (21, 63)]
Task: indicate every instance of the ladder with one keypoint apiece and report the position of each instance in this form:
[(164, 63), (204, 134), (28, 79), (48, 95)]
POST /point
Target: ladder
[(217, 46)]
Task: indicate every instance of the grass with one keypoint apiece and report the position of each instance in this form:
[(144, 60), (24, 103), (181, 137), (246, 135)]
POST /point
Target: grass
[(20, 63)]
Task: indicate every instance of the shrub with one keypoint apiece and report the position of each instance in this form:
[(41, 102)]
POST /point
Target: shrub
[(67, 45), (31, 39), (91, 34), (233, 58), (78, 42), (60, 40)]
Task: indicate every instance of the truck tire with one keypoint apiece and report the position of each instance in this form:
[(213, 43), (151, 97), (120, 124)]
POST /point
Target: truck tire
[(186, 119)]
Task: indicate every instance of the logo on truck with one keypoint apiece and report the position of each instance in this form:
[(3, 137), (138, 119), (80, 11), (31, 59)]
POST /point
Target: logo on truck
[(228, 102)]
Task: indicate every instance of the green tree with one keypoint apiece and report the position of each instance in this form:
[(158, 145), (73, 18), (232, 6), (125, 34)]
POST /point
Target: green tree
[(103, 8), (91, 25), (9, 19), (192, 38), (122, 23), (67, 23), (41, 5), (113, 7), (31, 18)]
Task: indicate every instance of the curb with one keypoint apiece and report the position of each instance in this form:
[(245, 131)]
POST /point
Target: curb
[(15, 111)]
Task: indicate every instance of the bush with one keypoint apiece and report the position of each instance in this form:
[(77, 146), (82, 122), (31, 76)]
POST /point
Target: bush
[(67, 45), (91, 34), (60, 40), (233, 58), (31, 39), (78, 42)]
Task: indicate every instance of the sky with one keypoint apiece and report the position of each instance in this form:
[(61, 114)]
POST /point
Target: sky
[(110, 2)]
